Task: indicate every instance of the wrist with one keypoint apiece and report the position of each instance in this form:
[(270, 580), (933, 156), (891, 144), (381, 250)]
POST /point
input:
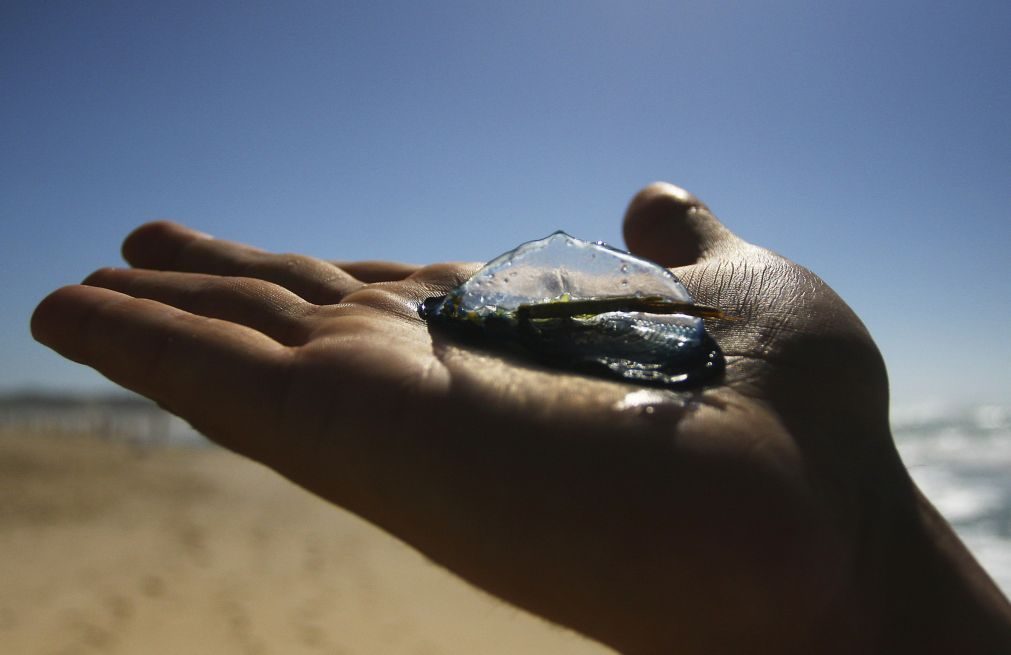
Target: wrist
[(925, 590)]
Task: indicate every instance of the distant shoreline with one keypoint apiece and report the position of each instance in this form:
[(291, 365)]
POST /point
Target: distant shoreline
[(117, 415)]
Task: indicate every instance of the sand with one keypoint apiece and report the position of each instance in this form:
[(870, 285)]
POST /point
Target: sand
[(107, 547)]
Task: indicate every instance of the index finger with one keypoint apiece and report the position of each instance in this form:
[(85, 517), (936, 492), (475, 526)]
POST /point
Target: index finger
[(199, 368)]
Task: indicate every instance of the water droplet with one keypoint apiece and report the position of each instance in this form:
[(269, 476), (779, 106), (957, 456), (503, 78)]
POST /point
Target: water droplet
[(624, 268)]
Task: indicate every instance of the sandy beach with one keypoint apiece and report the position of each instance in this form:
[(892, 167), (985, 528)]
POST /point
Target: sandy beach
[(108, 547)]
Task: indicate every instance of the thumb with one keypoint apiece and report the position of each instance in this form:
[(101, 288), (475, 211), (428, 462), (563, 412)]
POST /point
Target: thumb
[(672, 227)]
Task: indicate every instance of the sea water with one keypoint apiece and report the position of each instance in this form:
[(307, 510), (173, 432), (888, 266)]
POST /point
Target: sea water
[(961, 459)]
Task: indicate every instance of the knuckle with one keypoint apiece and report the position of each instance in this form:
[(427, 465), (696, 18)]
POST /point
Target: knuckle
[(443, 277), (100, 276)]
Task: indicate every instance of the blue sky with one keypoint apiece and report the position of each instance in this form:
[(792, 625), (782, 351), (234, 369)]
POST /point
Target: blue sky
[(869, 141)]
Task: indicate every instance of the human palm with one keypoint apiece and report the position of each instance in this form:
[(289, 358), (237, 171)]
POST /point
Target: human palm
[(737, 514)]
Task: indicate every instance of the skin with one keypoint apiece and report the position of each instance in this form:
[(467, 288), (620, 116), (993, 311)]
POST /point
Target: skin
[(768, 513)]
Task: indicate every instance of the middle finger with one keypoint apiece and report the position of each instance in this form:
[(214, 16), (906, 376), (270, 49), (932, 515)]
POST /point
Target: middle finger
[(167, 246), (265, 307)]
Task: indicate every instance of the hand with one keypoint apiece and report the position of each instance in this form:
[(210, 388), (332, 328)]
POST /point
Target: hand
[(767, 513)]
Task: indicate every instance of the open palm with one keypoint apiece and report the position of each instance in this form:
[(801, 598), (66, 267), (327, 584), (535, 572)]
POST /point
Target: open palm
[(753, 512)]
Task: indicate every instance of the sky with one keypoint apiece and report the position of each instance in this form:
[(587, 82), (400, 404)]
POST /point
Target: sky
[(868, 141)]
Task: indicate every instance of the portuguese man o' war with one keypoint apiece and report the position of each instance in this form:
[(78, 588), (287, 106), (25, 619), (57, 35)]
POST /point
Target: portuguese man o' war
[(586, 307)]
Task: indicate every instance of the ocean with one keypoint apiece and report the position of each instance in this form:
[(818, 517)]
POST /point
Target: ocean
[(961, 459)]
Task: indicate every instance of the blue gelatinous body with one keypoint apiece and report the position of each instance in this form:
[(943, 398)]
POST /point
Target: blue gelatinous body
[(494, 306)]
